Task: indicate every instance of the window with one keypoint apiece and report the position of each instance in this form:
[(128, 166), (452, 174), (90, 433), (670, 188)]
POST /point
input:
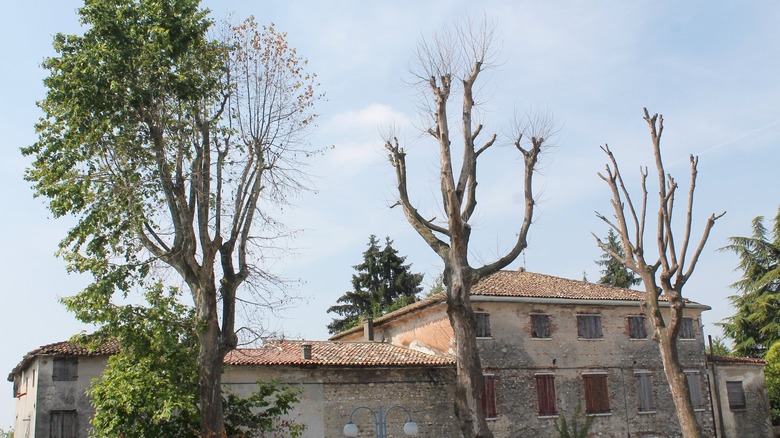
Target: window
[(483, 325), (686, 329), (65, 368), (63, 424), (489, 396), (644, 390), (545, 392), (694, 389), (540, 326), (636, 327), (596, 393), (589, 326), (736, 394)]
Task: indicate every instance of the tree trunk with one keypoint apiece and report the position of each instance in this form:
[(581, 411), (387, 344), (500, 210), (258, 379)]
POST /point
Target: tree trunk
[(210, 359), (469, 379), (678, 384)]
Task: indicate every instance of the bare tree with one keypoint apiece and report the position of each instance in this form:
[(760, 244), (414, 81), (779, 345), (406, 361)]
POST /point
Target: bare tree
[(665, 277), (447, 61)]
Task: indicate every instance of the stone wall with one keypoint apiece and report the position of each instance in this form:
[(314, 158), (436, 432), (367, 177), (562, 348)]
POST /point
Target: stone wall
[(329, 395), (751, 421)]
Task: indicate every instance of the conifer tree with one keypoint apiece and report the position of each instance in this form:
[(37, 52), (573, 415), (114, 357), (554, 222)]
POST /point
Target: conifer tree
[(383, 283), (615, 273)]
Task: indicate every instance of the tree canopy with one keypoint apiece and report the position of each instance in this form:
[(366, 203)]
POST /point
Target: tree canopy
[(615, 273), (166, 145), (383, 283), (756, 324)]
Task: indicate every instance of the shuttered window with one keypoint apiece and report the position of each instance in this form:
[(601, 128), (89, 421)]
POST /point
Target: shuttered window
[(483, 325), (686, 329), (65, 368), (63, 424), (596, 393), (545, 392), (736, 394), (636, 327), (540, 326), (694, 389), (589, 326), (644, 390), (489, 396)]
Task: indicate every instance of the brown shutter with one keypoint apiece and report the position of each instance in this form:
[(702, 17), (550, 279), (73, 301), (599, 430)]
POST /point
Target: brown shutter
[(489, 397), (596, 393), (545, 391)]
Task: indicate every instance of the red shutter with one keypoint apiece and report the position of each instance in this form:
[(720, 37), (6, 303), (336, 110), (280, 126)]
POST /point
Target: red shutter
[(596, 393), (545, 391), (489, 397)]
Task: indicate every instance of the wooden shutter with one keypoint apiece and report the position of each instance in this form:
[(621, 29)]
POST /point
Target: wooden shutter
[(686, 330), (736, 395), (589, 326), (694, 389), (645, 392), (63, 424), (65, 368), (483, 325), (596, 393), (540, 326), (489, 397), (545, 392), (636, 327)]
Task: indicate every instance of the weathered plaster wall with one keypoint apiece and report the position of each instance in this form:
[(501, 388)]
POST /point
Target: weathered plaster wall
[(330, 394), (26, 387), (754, 420), (66, 395)]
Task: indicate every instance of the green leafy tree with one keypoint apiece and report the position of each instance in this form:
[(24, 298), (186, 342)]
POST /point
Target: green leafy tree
[(6, 433), (383, 283), (149, 388), (615, 273), (756, 324), (772, 373), (719, 348), (573, 428), (164, 145)]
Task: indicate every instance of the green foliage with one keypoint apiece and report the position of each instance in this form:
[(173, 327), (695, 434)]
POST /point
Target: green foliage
[(719, 348), (756, 324), (383, 284), (615, 273), (573, 428), (261, 411), (150, 387), (438, 286), (772, 373), (6, 433)]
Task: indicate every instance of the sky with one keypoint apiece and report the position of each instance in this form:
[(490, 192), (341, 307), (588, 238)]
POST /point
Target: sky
[(711, 69)]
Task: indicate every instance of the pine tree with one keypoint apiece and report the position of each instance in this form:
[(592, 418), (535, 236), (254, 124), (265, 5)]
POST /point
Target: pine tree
[(756, 324), (615, 273), (383, 283)]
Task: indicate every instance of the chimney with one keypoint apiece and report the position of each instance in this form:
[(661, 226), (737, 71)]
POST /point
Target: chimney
[(306, 351), (368, 329)]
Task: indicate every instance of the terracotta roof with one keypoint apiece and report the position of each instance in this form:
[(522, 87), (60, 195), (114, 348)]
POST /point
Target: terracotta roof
[(533, 285), (285, 352), (64, 348), (735, 360)]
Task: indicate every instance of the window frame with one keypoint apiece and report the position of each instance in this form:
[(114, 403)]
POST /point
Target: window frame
[(537, 317), (736, 393), (596, 381), (546, 397), (582, 328), (65, 369), (639, 326), (687, 329), (644, 392), (482, 325), (489, 405)]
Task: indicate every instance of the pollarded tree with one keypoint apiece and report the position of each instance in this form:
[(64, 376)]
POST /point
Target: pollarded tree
[(756, 325), (665, 276), (383, 283), (164, 144), (450, 63), (615, 273)]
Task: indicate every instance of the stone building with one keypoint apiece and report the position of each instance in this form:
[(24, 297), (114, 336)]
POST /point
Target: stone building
[(548, 346)]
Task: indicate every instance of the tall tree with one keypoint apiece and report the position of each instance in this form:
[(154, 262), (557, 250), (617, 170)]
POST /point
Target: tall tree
[(164, 145), (615, 273), (756, 324), (668, 274), (772, 372), (452, 62), (383, 283)]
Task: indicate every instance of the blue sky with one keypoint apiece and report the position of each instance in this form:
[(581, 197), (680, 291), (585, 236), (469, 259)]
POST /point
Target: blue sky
[(711, 68)]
